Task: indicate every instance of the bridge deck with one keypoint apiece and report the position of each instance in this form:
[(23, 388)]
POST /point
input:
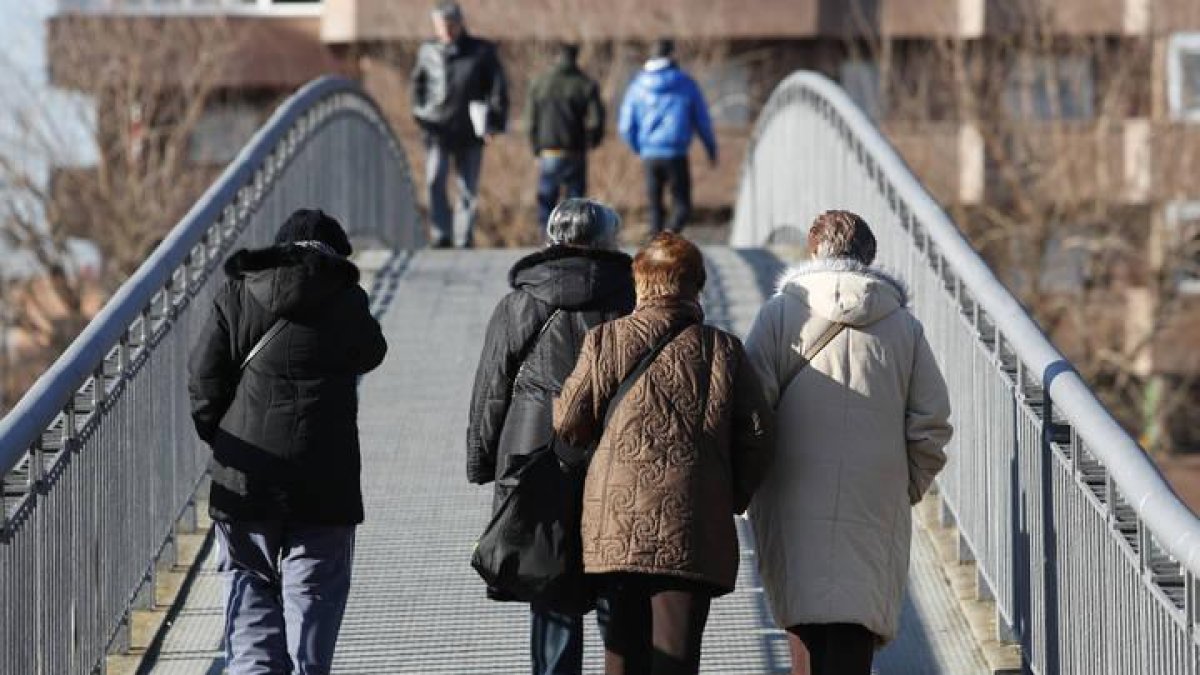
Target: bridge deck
[(416, 605)]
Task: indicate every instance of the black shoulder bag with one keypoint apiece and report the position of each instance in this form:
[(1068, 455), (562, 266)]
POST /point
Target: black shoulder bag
[(531, 550)]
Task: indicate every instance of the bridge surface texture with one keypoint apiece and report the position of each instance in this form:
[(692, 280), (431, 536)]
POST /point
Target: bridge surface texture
[(416, 605)]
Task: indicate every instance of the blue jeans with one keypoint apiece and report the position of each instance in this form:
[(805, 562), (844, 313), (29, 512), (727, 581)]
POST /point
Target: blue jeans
[(555, 643), (457, 227), (288, 585), (558, 174), (556, 640)]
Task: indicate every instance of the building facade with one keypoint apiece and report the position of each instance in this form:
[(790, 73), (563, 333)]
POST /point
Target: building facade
[(1062, 134)]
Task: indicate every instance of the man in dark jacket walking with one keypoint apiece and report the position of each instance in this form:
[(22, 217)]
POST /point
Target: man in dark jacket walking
[(460, 98), (531, 345), (274, 393), (663, 109), (565, 118)]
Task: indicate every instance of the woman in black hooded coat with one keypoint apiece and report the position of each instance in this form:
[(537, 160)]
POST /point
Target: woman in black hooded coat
[(283, 430), (531, 345)]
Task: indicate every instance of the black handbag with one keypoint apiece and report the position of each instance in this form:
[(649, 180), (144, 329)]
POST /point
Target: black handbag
[(531, 550)]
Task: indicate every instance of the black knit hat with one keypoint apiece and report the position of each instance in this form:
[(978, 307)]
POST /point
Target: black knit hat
[(314, 224), (449, 10)]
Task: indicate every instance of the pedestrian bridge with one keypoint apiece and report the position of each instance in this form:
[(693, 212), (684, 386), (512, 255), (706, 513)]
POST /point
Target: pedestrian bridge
[(1084, 555)]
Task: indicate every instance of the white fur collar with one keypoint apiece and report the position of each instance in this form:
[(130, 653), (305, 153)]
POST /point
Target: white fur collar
[(793, 274)]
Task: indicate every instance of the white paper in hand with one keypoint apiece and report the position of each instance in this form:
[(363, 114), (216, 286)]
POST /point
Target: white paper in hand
[(478, 111)]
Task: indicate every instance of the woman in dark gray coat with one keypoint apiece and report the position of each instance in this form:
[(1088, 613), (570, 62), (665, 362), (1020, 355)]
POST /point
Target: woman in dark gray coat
[(531, 345), (274, 393)]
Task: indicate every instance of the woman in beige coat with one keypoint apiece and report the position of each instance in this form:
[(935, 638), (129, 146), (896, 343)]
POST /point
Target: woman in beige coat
[(859, 440)]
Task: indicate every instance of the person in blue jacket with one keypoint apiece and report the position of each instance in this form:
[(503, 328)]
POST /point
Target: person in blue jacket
[(662, 110)]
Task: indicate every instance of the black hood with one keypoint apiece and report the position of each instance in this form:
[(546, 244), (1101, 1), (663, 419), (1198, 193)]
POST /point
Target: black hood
[(289, 279), (569, 277)]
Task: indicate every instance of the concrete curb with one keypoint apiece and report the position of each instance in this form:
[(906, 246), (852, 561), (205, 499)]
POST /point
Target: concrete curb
[(1002, 658)]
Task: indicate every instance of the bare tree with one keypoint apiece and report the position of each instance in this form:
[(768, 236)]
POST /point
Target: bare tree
[(145, 85), (1078, 240)]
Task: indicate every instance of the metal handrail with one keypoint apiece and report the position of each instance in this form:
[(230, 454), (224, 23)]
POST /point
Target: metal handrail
[(46, 398), (1171, 522), (1049, 430), (98, 460)]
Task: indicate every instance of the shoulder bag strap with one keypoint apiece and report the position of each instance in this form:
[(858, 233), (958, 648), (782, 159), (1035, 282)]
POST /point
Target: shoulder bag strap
[(263, 341), (642, 366), (815, 348), (533, 343), (573, 457)]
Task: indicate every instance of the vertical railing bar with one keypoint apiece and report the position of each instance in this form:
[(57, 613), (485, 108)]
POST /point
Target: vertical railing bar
[(68, 428), (99, 389), (135, 341)]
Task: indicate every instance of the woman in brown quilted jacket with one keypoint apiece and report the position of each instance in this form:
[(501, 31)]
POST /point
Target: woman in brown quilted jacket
[(680, 454)]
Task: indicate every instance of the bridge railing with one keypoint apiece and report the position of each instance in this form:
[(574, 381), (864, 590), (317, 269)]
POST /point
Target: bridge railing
[(1091, 558), (99, 461)]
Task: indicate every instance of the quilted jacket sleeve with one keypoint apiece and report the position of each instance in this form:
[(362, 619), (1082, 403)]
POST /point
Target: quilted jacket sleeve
[(213, 373), (753, 437), (492, 392), (577, 417), (927, 420), (369, 346)]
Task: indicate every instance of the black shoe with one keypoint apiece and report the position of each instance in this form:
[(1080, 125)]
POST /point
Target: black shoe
[(441, 243)]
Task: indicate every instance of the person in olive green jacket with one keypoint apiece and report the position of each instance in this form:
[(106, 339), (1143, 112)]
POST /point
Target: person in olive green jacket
[(565, 118)]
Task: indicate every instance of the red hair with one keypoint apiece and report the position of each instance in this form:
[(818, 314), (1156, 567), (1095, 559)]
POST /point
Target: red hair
[(669, 266)]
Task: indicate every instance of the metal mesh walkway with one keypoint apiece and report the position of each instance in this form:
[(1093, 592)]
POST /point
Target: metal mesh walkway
[(416, 605)]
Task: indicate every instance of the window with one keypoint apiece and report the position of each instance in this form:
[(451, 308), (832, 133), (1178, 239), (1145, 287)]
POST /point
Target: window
[(222, 131), (1183, 245), (726, 86), (282, 7), (1049, 88), (860, 79), (1183, 76), (1064, 266), (287, 6)]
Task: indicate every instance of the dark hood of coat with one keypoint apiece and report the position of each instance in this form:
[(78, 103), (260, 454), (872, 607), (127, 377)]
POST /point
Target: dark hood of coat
[(289, 279), (569, 277)]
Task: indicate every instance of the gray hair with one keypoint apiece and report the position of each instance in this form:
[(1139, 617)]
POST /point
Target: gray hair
[(583, 222)]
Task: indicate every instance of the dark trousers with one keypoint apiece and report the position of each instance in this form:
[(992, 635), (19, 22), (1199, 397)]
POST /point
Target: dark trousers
[(556, 176), (653, 626), (833, 648), (671, 173)]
